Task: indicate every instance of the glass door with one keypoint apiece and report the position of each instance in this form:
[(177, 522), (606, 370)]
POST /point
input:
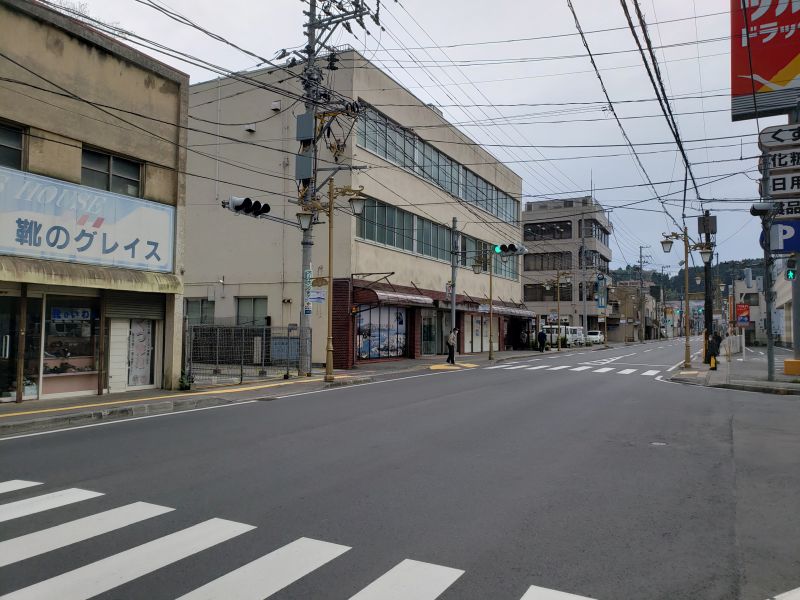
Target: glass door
[(429, 336), (8, 348), (141, 351)]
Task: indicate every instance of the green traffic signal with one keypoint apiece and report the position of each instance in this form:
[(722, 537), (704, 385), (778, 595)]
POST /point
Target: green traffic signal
[(791, 274)]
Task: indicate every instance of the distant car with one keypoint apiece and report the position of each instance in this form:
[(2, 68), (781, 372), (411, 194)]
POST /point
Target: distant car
[(595, 337)]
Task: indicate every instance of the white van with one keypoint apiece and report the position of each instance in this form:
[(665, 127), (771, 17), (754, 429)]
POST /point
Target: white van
[(572, 335), (552, 332), (575, 336)]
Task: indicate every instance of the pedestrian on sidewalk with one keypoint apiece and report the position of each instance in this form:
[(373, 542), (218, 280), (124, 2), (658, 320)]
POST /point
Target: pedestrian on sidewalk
[(523, 339), (542, 339), (452, 339)]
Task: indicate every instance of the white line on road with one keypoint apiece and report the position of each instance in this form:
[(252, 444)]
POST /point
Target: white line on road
[(271, 573), (410, 579), (16, 484), (603, 370), (761, 353), (626, 371), (675, 366), (581, 369), (539, 593), (108, 573), (39, 542), (30, 506), (793, 595), (537, 368), (646, 351), (497, 367), (517, 367), (558, 368), (650, 373)]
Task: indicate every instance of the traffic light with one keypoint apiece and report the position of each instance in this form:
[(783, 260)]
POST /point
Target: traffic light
[(509, 249), (791, 269), (246, 206), (332, 60)]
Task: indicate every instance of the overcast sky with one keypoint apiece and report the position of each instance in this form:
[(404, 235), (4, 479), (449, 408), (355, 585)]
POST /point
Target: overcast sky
[(695, 62)]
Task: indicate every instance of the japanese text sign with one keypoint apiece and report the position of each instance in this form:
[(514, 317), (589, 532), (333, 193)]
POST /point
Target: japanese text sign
[(742, 315), (60, 315), (764, 34), (50, 219)]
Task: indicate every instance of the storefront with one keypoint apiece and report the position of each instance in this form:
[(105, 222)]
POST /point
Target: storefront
[(78, 314)]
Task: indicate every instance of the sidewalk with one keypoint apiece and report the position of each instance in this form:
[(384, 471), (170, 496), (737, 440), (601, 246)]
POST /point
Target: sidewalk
[(745, 375), (40, 415)]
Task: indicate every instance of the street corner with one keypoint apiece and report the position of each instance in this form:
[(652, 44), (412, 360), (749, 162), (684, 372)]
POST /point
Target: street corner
[(456, 367)]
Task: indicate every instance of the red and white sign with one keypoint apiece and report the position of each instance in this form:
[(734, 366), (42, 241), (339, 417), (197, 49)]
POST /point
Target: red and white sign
[(765, 34), (742, 315)]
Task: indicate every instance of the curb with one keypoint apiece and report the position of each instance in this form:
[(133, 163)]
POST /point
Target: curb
[(743, 387), (110, 414), (345, 382)]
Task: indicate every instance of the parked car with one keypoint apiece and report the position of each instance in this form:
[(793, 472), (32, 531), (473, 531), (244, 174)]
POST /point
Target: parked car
[(596, 337)]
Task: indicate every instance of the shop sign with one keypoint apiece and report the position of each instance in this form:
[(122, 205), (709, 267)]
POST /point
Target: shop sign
[(62, 315), (49, 219), (308, 276), (742, 315), (764, 57), (317, 295)]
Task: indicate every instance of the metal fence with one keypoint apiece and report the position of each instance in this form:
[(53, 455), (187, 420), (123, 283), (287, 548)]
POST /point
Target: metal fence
[(225, 354)]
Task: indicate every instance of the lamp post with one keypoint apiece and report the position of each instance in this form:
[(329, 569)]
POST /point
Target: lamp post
[(486, 261), (305, 219), (609, 290), (705, 254), (558, 304)]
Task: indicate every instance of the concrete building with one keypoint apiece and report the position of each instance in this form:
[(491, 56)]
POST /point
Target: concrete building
[(753, 295), (554, 231), (92, 138), (392, 265)]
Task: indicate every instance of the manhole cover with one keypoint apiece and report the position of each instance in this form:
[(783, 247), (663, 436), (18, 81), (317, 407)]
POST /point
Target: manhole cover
[(659, 444)]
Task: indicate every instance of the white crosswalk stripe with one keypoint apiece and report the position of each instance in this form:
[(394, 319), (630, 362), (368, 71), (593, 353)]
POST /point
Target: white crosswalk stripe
[(410, 579), (558, 368), (627, 371), (271, 573), (581, 369), (29, 506), (516, 367), (16, 484), (585, 367), (651, 373), (537, 368), (603, 370), (39, 542), (538, 593), (108, 573)]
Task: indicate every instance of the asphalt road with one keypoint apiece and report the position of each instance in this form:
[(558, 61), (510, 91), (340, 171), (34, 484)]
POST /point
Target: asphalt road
[(604, 482)]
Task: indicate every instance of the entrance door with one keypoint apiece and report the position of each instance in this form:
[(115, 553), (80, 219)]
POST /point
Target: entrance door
[(429, 336), (8, 347), (141, 352)]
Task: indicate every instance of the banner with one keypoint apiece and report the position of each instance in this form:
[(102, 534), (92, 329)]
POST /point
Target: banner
[(51, 219), (766, 35)]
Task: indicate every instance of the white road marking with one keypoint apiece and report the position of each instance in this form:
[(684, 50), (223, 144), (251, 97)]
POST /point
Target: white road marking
[(646, 351), (410, 579), (16, 484), (271, 573), (517, 367), (761, 353), (650, 373), (39, 542), (675, 366), (558, 368), (626, 371), (581, 369), (793, 595), (108, 573), (29, 506), (497, 367), (603, 370), (537, 368), (539, 593)]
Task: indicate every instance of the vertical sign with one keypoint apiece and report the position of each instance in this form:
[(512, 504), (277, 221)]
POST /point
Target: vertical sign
[(742, 315), (764, 34), (307, 278)]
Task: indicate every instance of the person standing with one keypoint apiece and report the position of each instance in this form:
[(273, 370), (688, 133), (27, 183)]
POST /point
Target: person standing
[(542, 339), (452, 339), (523, 339)]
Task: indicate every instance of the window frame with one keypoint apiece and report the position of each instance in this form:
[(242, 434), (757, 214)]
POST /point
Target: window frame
[(21, 150), (110, 173)]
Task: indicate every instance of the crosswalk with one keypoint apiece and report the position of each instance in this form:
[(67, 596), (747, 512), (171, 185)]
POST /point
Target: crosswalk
[(257, 579), (594, 367)]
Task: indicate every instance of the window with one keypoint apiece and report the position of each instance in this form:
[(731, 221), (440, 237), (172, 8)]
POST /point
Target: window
[(251, 311), (750, 299), (380, 332), (199, 311), (548, 261), (10, 147), (555, 230), (111, 173)]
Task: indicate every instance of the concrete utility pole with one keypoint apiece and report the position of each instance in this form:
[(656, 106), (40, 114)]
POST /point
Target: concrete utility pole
[(584, 256), (641, 294), (708, 305), (453, 271), (319, 30)]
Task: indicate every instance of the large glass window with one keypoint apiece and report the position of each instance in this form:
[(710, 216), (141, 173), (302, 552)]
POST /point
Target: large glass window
[(110, 173), (199, 311), (10, 146), (380, 332), (548, 261), (556, 230), (251, 311), (72, 328)]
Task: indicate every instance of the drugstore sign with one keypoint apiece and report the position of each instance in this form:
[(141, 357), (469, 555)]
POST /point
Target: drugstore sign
[(46, 218)]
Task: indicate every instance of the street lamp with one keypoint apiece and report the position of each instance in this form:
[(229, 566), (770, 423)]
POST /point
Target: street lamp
[(305, 219), (357, 204), (706, 254), (697, 279), (666, 245), (721, 288)]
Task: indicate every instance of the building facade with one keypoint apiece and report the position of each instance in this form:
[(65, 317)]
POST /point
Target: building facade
[(392, 268), (92, 139), (568, 247)]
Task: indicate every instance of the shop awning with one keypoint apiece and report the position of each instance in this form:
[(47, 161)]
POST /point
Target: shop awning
[(372, 296), (508, 311)]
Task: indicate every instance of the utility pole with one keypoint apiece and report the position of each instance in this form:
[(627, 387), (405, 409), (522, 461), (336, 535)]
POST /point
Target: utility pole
[(583, 273), (319, 30), (709, 293), (641, 294), (453, 271)]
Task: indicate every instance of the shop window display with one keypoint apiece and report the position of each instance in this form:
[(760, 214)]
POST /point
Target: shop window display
[(381, 332), (70, 360)]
